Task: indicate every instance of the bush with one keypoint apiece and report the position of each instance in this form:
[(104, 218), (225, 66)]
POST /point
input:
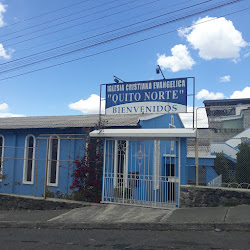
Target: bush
[(87, 183)]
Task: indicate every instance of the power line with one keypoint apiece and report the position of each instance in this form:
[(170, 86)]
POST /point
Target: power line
[(126, 45), (106, 32), (68, 21), (44, 14), (104, 42), (100, 27), (56, 31)]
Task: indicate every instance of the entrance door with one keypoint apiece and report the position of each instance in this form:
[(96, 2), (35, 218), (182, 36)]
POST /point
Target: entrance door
[(170, 173), (140, 172)]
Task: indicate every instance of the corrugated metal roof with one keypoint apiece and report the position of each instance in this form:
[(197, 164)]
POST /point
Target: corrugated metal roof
[(73, 121)]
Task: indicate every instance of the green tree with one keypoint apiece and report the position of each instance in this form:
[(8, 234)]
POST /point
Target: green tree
[(221, 166), (243, 164)]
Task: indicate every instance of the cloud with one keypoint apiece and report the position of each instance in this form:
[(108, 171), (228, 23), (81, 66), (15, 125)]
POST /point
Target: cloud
[(205, 94), (214, 39), (180, 59), (247, 55), (225, 78), (6, 115), (2, 11), (6, 54), (89, 106), (4, 106), (245, 93)]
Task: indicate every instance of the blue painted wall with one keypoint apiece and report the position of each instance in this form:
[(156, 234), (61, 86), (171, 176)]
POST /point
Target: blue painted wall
[(14, 154), (191, 169)]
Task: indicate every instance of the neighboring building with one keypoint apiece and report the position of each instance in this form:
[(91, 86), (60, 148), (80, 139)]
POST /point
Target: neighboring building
[(228, 113), (228, 127)]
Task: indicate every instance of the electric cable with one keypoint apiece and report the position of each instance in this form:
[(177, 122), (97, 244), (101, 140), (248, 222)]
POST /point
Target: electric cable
[(106, 32), (122, 46), (44, 14), (68, 21), (97, 43), (100, 27)]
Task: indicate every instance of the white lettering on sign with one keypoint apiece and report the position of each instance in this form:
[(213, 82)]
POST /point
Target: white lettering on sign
[(156, 96)]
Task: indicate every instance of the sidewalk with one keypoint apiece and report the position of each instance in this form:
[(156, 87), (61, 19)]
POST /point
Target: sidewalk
[(110, 216)]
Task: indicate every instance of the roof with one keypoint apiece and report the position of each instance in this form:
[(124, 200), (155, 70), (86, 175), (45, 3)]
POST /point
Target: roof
[(144, 133), (226, 102), (73, 121)]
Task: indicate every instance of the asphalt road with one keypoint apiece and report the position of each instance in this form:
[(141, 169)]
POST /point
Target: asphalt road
[(11, 238)]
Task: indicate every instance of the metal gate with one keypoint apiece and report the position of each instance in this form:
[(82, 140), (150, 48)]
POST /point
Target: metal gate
[(142, 172)]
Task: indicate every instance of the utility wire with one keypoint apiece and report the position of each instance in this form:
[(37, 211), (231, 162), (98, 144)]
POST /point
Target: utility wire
[(112, 49), (129, 44), (44, 14), (107, 32), (68, 21), (98, 43), (104, 26), (56, 31)]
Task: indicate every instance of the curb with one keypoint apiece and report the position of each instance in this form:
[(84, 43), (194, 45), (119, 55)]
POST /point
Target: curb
[(130, 226)]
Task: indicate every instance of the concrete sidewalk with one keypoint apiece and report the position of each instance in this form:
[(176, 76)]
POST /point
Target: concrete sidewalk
[(110, 216)]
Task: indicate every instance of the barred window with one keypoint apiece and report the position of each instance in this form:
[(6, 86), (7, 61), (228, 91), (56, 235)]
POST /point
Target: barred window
[(29, 159), (1, 155), (53, 161)]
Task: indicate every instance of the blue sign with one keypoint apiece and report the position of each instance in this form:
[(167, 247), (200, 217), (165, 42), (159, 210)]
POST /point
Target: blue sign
[(156, 96)]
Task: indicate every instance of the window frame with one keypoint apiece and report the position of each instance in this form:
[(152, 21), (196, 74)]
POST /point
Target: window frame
[(51, 184), (26, 160), (1, 160)]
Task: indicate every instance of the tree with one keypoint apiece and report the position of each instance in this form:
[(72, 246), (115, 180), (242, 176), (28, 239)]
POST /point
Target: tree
[(87, 176), (222, 166), (243, 164)]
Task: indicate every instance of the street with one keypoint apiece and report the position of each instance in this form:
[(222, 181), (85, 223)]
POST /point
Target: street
[(18, 238)]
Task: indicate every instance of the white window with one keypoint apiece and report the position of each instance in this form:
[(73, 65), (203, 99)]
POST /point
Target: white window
[(29, 159), (1, 155), (53, 161)]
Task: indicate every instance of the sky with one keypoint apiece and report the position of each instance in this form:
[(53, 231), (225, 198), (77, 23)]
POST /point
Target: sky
[(91, 41)]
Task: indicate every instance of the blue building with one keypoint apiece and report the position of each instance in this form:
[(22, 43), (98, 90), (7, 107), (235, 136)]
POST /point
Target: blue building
[(147, 165), (32, 145), (145, 156)]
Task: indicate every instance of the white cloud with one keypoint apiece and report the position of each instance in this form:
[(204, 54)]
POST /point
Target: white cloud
[(4, 106), (245, 93), (89, 106), (236, 60), (180, 59), (214, 39), (205, 94), (225, 78), (2, 11), (247, 55), (6, 54), (6, 115)]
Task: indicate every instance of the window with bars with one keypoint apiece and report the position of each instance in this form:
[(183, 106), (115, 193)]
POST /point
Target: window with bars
[(29, 159), (1, 155), (53, 161)]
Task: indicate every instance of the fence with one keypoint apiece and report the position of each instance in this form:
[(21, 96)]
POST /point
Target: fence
[(221, 150), (42, 165), (129, 177)]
